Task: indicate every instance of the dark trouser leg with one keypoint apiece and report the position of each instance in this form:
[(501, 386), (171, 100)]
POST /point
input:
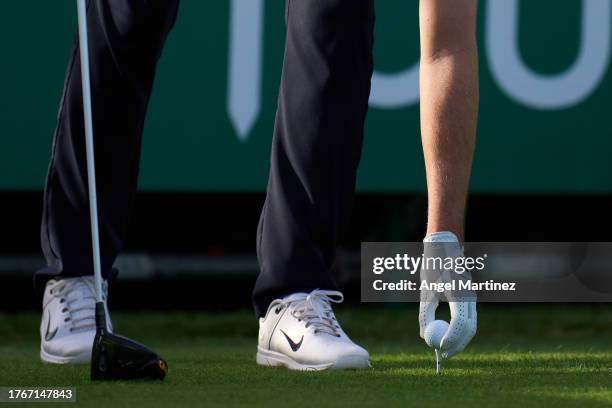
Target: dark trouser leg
[(317, 144), (126, 38)]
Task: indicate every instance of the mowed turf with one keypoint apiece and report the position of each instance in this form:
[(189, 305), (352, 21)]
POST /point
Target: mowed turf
[(523, 356)]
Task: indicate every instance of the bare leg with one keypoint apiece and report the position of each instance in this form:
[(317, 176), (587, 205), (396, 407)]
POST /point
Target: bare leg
[(449, 107)]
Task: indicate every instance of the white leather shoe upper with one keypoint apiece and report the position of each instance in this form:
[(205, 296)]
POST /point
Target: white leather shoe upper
[(303, 328), (68, 323)]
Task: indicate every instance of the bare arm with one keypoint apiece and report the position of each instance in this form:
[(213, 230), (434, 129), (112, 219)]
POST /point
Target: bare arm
[(449, 107)]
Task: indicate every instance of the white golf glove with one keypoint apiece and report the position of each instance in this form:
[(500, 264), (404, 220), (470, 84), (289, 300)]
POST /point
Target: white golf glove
[(463, 322)]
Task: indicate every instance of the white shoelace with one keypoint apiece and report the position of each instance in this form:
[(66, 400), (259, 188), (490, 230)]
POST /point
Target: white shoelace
[(315, 309), (79, 301)]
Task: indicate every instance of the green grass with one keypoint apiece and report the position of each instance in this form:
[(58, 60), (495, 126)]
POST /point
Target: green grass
[(525, 356)]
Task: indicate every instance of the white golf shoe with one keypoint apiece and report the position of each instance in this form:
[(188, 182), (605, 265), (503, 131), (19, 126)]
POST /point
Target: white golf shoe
[(68, 323), (301, 332)]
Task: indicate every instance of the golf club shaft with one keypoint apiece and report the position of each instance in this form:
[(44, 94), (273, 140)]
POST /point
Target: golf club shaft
[(89, 146)]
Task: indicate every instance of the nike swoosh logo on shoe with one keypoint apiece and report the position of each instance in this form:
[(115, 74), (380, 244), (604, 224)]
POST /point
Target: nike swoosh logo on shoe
[(294, 346), (50, 335)]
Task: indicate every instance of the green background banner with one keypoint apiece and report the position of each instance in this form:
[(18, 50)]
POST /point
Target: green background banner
[(546, 89)]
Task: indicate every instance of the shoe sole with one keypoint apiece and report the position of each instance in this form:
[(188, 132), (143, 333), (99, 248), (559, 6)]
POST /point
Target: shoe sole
[(273, 359), (82, 358)]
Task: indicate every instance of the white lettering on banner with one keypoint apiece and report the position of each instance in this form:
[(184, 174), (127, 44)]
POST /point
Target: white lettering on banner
[(548, 92), (401, 89), (395, 90), (244, 64)]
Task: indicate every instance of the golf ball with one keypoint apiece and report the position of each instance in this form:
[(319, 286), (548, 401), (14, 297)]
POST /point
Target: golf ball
[(434, 333)]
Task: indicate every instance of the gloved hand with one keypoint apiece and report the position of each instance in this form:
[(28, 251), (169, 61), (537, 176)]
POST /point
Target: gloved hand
[(462, 304)]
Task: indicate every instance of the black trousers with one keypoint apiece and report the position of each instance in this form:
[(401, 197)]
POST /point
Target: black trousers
[(315, 153)]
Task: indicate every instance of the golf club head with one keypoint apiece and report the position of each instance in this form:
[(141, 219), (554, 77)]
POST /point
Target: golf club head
[(119, 358)]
